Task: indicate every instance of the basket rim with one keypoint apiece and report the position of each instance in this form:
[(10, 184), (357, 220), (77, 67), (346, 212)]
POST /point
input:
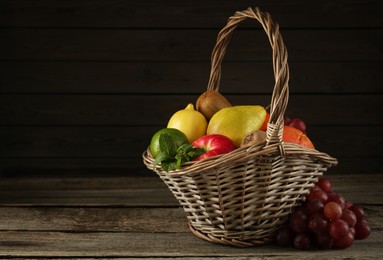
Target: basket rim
[(243, 154)]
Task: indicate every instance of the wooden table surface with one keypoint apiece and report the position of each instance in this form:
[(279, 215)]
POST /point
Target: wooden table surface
[(137, 217)]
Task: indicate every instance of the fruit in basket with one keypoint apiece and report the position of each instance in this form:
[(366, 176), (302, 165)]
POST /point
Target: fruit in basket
[(297, 123), (177, 136), (172, 149), (213, 144), (293, 135), (236, 122), (325, 224), (264, 125), (254, 137), (189, 121), (210, 102)]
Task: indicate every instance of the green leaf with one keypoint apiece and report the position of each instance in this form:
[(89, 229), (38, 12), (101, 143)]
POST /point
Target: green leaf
[(167, 144), (196, 152), (162, 157), (168, 166), (172, 157), (179, 162), (184, 148)]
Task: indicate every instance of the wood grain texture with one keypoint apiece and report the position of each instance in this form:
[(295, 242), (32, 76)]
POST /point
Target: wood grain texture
[(132, 141), (156, 110), (99, 77), (136, 230), (115, 219), (196, 14), (183, 45), (143, 192), (96, 244), (114, 147), (27, 166), (73, 72), (91, 219)]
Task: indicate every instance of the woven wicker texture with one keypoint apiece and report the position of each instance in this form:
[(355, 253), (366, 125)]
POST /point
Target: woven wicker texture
[(243, 197)]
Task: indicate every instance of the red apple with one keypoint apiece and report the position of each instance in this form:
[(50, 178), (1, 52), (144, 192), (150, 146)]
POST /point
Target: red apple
[(213, 144)]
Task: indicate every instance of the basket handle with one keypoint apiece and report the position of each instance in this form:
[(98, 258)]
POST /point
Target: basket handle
[(280, 94)]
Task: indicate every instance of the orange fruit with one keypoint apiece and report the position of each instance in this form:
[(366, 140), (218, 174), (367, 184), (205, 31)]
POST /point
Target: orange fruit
[(293, 135), (264, 126)]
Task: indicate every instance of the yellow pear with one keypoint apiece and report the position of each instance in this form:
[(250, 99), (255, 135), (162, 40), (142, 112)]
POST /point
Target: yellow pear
[(237, 122)]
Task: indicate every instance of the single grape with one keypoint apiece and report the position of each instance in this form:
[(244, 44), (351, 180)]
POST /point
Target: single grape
[(324, 184), (318, 223), (324, 240), (348, 204), (349, 217), (334, 197), (358, 211), (338, 229), (362, 229), (314, 206), (332, 210), (317, 193), (298, 221), (302, 241), (287, 120), (298, 124), (285, 236), (345, 241)]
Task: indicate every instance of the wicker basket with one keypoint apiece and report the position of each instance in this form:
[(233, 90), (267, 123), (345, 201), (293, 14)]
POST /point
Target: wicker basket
[(243, 197)]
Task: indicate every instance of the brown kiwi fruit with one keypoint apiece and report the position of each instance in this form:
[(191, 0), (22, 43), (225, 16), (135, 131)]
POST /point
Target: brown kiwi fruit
[(210, 102), (254, 137)]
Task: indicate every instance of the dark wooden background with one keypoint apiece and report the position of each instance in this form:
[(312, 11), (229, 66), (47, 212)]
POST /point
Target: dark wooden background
[(84, 84)]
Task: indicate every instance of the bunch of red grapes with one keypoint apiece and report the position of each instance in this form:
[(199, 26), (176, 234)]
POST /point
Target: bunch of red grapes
[(325, 219)]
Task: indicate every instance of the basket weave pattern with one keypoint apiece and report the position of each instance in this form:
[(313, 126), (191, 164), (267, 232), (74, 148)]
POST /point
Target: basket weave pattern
[(241, 198)]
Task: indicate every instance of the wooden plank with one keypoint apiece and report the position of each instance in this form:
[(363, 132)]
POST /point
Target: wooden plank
[(73, 166), (358, 188), (153, 220), (184, 45), (355, 141), (350, 165), (59, 180), (185, 77), (63, 180), (89, 192), (122, 166), (133, 14), (91, 198), (143, 192), (85, 142), (154, 110), (127, 232), (126, 244), (143, 220), (75, 141)]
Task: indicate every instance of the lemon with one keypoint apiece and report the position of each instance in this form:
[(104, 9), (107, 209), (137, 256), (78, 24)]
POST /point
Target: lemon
[(189, 121), (237, 121), (177, 136)]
